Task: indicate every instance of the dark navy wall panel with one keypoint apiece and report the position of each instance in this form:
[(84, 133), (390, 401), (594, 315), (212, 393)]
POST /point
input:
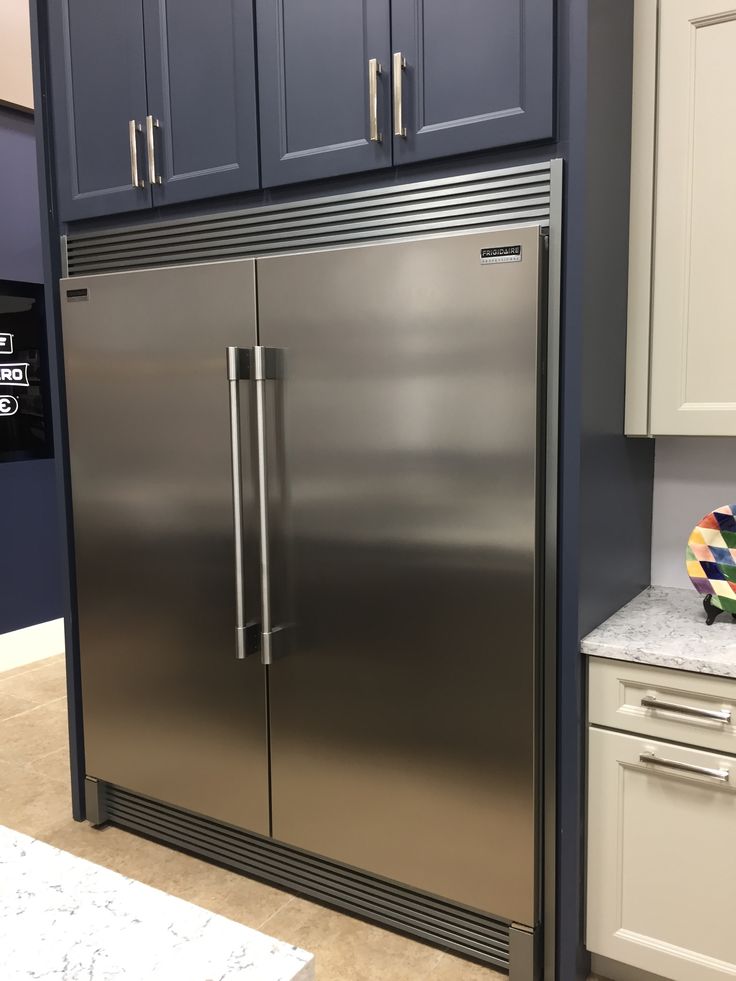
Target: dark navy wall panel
[(606, 479), (616, 472), (20, 227), (29, 537), (29, 532)]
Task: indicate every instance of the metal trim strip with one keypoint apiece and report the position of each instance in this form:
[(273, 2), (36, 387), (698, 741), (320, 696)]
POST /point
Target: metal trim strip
[(494, 198), (307, 209), (432, 919), (441, 182), (328, 222)]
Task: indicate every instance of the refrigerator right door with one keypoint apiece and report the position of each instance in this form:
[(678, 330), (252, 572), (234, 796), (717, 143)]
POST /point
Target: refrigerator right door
[(407, 451)]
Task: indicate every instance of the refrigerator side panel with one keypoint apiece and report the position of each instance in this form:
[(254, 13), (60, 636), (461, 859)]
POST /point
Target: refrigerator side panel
[(168, 711), (403, 713)]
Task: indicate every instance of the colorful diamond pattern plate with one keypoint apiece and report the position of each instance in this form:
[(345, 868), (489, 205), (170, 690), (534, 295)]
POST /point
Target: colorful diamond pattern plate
[(711, 557)]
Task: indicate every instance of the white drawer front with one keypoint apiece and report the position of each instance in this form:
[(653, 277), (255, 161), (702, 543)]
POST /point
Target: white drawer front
[(661, 857), (688, 708)]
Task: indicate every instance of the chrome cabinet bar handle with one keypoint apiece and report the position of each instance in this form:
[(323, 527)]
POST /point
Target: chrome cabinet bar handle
[(703, 771), (397, 79), (238, 369), (718, 715), (133, 128), (151, 125), (374, 70)]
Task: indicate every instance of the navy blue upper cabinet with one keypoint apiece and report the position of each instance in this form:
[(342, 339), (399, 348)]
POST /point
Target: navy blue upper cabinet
[(98, 81), (324, 106), (478, 74), (154, 101), (200, 62)]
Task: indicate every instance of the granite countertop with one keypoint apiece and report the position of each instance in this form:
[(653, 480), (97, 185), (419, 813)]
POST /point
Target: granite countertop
[(666, 627), (64, 918)]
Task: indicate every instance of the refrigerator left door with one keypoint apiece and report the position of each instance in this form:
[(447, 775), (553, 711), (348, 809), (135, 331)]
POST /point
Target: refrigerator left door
[(168, 710)]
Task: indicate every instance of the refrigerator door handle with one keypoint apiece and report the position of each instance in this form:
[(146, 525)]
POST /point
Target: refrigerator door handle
[(268, 364), (247, 635)]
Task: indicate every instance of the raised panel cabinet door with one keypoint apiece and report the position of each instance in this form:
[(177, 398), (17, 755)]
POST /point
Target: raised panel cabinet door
[(98, 86), (200, 61), (320, 90), (694, 296), (661, 862), (476, 74)]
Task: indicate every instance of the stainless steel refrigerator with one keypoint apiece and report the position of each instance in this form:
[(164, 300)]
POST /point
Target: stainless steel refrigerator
[(330, 462)]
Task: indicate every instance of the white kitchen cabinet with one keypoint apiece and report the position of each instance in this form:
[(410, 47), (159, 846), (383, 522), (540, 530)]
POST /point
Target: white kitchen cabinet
[(682, 289), (661, 856), (678, 706)]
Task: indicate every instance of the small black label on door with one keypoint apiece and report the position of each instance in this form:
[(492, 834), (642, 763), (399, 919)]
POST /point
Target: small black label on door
[(504, 253), (80, 294)]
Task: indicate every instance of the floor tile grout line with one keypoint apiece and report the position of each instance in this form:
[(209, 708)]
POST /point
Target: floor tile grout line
[(35, 708), (435, 964), (275, 913), (25, 669)]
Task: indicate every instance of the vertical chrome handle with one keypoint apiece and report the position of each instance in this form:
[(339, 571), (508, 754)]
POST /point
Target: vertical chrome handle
[(260, 374), (397, 79), (267, 364), (133, 128), (374, 70), (238, 369), (152, 124)]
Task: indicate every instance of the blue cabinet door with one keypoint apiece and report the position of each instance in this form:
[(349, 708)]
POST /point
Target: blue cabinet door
[(200, 62), (478, 74), (315, 91), (98, 82)]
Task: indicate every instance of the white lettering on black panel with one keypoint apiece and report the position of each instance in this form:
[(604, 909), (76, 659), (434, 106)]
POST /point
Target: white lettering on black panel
[(8, 405), (14, 374), (503, 253)]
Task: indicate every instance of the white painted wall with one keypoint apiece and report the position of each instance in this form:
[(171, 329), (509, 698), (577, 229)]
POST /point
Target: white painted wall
[(31, 644), (692, 475)]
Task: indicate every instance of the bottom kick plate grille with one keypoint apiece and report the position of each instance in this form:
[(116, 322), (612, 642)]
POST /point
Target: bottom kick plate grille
[(434, 920)]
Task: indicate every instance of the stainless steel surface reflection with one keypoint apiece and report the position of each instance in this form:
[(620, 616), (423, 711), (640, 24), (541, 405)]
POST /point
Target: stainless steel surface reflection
[(168, 711), (403, 719)]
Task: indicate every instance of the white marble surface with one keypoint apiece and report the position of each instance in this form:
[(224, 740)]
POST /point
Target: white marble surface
[(65, 919), (666, 626)]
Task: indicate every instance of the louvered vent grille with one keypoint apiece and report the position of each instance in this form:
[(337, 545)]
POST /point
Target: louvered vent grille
[(437, 921), (515, 196)]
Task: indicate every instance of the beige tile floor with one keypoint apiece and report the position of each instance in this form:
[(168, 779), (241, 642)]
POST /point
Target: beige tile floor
[(34, 798)]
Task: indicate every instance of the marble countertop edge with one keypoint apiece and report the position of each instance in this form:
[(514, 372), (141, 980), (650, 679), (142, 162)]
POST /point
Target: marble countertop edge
[(665, 627)]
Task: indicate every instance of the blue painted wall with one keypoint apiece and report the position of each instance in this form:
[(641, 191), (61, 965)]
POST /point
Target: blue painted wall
[(30, 582)]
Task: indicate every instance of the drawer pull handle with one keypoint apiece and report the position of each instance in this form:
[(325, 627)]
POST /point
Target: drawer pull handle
[(718, 715), (703, 771)]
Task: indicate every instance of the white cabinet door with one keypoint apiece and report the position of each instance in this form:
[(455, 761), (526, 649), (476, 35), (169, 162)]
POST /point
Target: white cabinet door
[(693, 385), (661, 857)]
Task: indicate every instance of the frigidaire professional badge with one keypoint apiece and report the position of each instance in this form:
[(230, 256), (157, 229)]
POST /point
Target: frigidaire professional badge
[(504, 253)]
